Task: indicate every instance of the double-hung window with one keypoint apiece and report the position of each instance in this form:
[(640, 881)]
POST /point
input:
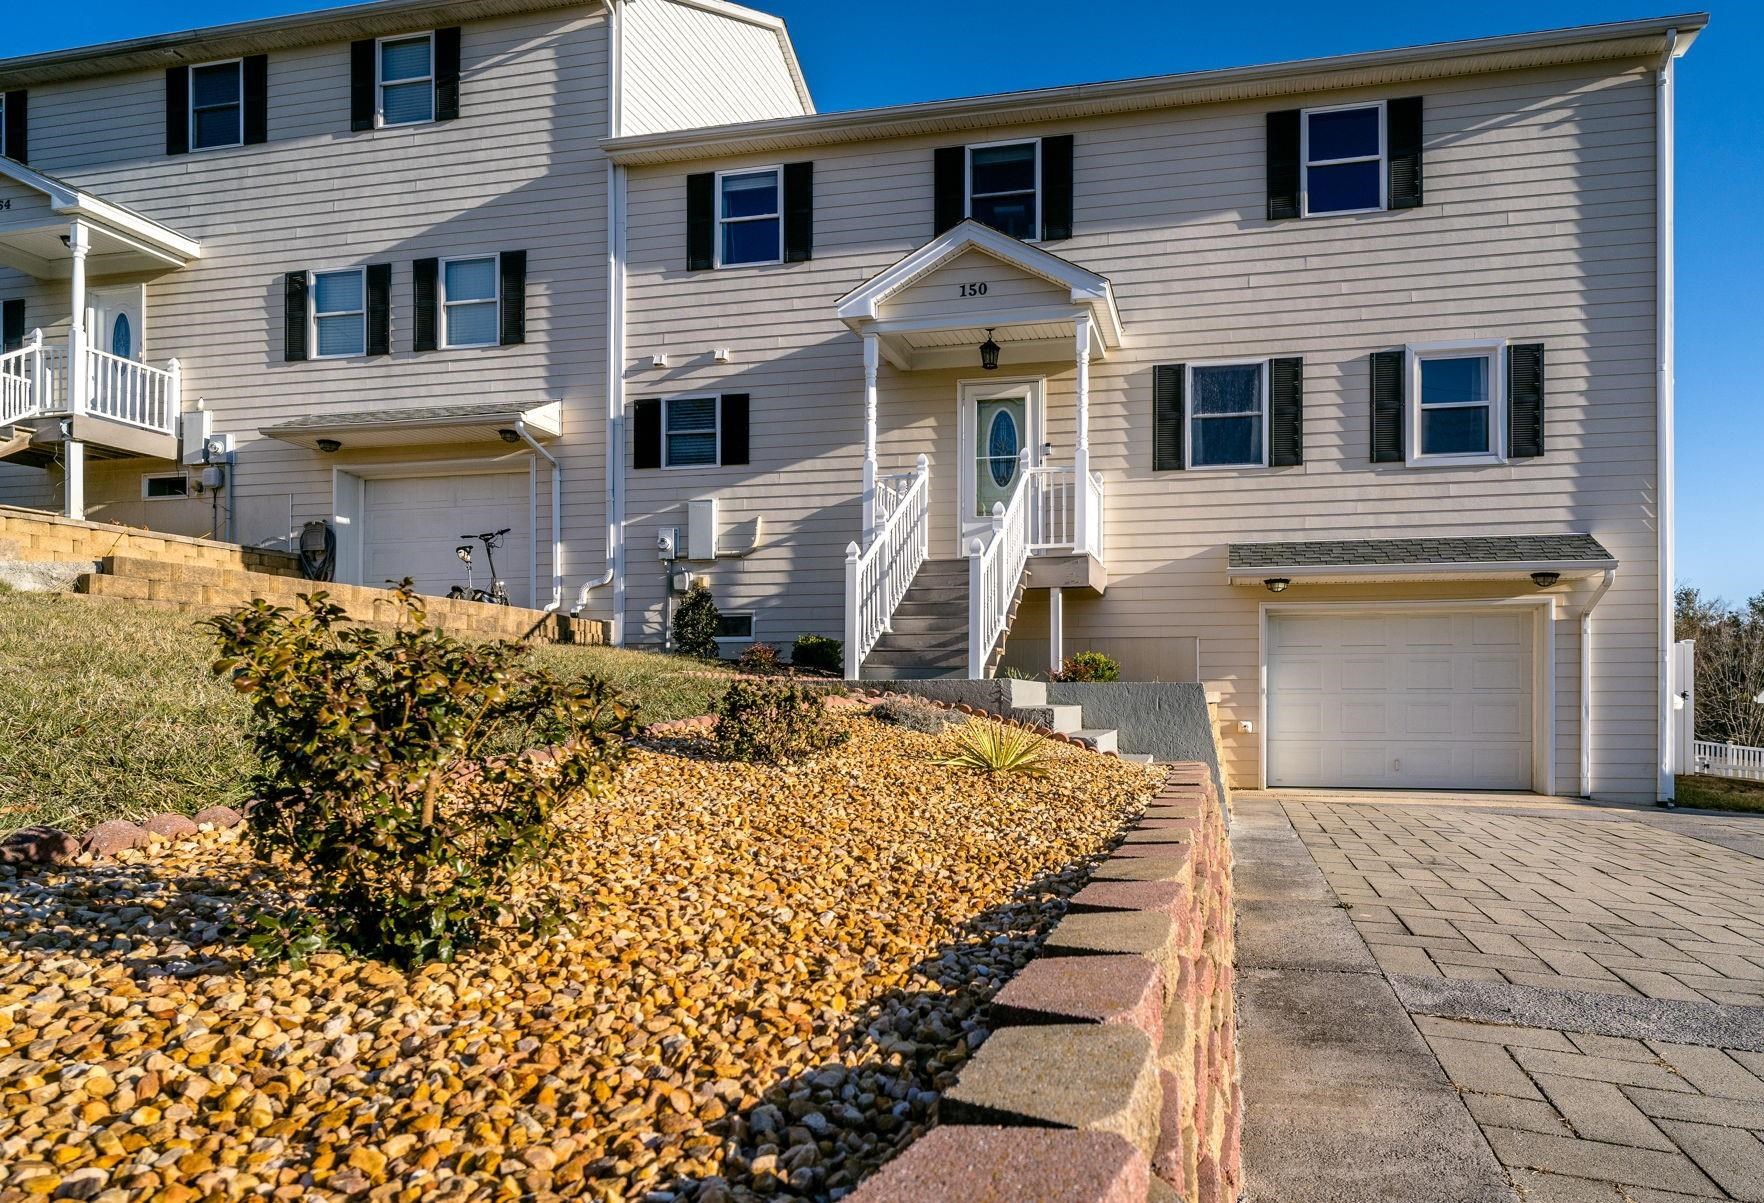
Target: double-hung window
[(339, 313), (217, 105), (407, 80), (1454, 412), (1343, 152), (750, 217), (689, 432), (1004, 187), (470, 303), (1227, 415)]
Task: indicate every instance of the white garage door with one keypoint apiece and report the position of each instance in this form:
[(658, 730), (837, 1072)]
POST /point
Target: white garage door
[(1424, 700), (411, 524)]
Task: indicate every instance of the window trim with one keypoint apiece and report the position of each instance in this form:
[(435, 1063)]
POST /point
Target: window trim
[(442, 341), (312, 313), (716, 431), (1383, 158), (1495, 351), (752, 635), (1189, 416), (380, 81), (149, 476), (190, 105), (968, 182), (777, 170)]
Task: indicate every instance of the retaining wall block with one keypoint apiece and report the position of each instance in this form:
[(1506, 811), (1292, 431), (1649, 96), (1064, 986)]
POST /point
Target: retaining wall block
[(985, 1164)]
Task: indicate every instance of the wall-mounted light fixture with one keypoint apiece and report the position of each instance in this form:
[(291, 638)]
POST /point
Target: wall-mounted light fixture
[(989, 353), (1277, 584), (1543, 580), (330, 446), (508, 435)]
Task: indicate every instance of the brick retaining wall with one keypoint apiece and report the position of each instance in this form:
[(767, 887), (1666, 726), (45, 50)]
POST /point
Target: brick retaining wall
[(1111, 1072), (35, 537)]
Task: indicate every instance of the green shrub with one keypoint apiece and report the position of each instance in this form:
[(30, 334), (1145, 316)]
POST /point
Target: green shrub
[(1088, 666), (915, 715), (399, 770), (695, 624), (774, 722), (992, 747), (759, 658), (819, 653)]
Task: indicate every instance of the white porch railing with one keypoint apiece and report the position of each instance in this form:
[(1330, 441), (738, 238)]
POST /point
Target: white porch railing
[(1093, 515), (34, 383), (995, 569), (1053, 510), (878, 576), (1729, 760), (33, 380)]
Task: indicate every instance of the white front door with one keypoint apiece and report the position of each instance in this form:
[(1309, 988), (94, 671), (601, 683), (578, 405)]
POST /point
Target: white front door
[(116, 320), (999, 421), (1427, 699), (412, 524)]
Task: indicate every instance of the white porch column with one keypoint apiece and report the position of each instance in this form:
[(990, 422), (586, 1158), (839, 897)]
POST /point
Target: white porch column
[(1081, 457), (74, 452), (872, 364), (1056, 630)]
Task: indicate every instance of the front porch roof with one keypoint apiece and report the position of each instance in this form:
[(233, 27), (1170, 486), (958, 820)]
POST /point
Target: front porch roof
[(431, 425), (1030, 327), (32, 235), (1481, 557)]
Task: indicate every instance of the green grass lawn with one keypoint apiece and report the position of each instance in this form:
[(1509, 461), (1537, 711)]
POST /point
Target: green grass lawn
[(109, 710), (1721, 793)]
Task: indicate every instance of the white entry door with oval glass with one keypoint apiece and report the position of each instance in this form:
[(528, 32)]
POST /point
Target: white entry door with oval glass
[(999, 420), (116, 320)]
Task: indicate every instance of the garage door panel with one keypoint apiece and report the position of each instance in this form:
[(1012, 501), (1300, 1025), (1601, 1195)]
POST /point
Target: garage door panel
[(1428, 672), (1297, 674), (1364, 674), (411, 525)]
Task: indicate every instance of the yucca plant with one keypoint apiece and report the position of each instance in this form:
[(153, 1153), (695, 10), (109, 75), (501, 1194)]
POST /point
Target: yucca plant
[(992, 747)]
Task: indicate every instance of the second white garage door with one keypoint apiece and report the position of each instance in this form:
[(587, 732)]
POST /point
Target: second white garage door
[(1423, 700), (411, 524)]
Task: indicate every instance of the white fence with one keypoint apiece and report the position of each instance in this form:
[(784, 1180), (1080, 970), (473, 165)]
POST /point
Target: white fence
[(1729, 760), (877, 577)]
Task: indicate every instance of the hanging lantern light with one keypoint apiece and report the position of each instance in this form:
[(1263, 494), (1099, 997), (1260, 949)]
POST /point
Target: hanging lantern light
[(989, 353)]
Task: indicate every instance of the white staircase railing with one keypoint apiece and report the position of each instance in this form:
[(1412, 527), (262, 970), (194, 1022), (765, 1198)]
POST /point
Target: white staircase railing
[(132, 393), (878, 576), (1729, 760), (995, 569)]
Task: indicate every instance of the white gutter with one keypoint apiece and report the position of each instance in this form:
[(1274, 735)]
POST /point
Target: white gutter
[(556, 514), (1666, 440), (1586, 706)]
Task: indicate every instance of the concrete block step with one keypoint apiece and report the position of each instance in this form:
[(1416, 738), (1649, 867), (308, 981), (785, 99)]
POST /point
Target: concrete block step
[(1099, 738), (1137, 757), (1065, 719)]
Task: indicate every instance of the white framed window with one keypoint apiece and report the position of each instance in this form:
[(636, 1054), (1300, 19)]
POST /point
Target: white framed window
[(1227, 414), (691, 432), (339, 313), (164, 486), (1004, 187), (1455, 396), (750, 217), (406, 84), (217, 105), (735, 626), (1343, 149), (470, 302)]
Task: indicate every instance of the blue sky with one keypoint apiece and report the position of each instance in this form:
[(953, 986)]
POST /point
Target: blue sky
[(864, 54)]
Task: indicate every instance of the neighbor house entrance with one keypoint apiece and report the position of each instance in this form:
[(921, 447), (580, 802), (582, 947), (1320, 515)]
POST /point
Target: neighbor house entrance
[(999, 420)]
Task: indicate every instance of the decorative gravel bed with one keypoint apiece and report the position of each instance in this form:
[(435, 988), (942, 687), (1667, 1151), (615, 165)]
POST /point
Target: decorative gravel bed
[(766, 979)]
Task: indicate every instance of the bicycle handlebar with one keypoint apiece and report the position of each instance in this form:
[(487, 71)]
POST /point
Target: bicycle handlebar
[(489, 535)]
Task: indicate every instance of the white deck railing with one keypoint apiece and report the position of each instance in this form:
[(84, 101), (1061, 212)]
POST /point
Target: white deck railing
[(1052, 508), (878, 576), (1093, 511), (995, 569), (33, 380), (132, 393), (1729, 760)]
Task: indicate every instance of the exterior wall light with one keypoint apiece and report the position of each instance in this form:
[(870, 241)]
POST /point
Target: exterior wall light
[(1543, 580), (989, 353), (1277, 584), (508, 435), (330, 446)]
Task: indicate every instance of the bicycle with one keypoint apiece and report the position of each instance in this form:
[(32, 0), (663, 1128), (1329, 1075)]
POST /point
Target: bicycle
[(497, 594)]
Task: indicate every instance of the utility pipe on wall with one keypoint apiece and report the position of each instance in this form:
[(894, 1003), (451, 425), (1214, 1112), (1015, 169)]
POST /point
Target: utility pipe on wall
[(1586, 708), (1664, 334), (556, 514)]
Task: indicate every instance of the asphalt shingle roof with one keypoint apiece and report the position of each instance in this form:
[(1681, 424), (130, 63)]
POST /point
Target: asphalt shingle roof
[(1476, 549)]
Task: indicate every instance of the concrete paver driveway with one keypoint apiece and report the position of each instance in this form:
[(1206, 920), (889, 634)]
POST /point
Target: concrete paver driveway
[(1588, 979)]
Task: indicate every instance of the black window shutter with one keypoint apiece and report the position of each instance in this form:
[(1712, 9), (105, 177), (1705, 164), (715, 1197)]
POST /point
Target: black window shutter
[(177, 110), (701, 221), (1056, 188), (1387, 407), (447, 73), (513, 266), (294, 317), (379, 309), (1283, 164), (733, 443), (1167, 417), (1525, 400), (12, 324), (425, 322), (646, 434), (1286, 412), (950, 185), (364, 74), (1402, 124), (799, 212), (18, 126), (254, 78)]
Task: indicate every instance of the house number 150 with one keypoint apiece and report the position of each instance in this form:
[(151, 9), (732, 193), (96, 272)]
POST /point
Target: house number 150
[(973, 290)]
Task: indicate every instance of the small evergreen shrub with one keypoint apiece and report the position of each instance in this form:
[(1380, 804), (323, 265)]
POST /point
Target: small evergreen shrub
[(760, 659), (819, 653), (773, 722), (1089, 666), (915, 716), (695, 624), (401, 770), (992, 747)]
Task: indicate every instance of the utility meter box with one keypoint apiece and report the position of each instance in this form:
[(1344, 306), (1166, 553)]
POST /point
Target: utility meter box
[(193, 434), (667, 543), (701, 529)]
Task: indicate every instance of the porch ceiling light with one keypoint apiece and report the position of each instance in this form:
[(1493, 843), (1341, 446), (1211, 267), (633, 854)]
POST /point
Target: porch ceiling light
[(508, 435), (1277, 584), (1543, 580), (989, 353), (329, 446)]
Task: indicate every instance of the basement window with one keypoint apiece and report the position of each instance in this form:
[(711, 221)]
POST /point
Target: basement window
[(164, 486), (734, 627)]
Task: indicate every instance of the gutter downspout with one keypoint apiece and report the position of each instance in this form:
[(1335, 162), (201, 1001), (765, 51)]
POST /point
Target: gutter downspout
[(556, 602), (1586, 707), (1666, 438)]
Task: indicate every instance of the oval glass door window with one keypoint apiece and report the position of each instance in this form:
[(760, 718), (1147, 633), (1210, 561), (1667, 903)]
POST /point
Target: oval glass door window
[(122, 337), (1000, 426), (1002, 445)]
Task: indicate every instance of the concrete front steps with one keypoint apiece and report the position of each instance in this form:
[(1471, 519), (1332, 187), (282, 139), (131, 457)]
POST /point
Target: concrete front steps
[(927, 639), (1026, 702)]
